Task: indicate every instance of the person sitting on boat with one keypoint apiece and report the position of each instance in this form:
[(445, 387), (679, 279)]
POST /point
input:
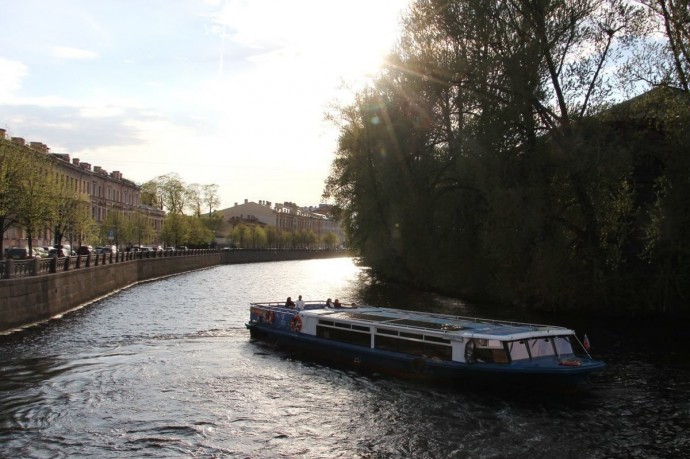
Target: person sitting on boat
[(289, 303), (336, 303), (329, 303), (299, 304)]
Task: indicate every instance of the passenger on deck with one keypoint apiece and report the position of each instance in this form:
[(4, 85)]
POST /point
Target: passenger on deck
[(337, 304), (329, 303), (299, 304), (289, 303)]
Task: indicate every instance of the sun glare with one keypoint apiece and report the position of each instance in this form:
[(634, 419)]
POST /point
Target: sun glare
[(356, 45), (345, 40)]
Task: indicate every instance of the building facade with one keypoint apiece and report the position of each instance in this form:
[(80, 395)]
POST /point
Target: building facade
[(107, 192), (286, 216)]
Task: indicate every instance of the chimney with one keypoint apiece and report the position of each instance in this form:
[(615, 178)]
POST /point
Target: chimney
[(18, 141), (85, 166), (61, 156), (2, 134), (38, 146), (75, 161), (246, 201)]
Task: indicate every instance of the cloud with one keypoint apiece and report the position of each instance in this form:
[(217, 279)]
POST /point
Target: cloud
[(11, 75), (66, 52), (64, 128)]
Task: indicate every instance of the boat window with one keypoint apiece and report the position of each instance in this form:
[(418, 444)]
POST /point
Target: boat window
[(563, 345), (541, 347), (411, 335), (489, 355), (425, 349), (385, 331), (518, 350), (344, 335), (436, 339)]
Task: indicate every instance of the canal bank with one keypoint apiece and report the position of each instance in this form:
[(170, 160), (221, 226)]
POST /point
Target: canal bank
[(30, 294), (168, 369)]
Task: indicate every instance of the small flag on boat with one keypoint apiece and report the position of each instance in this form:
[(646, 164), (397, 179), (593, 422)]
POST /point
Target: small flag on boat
[(585, 342)]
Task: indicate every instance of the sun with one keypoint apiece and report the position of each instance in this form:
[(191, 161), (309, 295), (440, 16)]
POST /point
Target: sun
[(347, 39), (357, 43)]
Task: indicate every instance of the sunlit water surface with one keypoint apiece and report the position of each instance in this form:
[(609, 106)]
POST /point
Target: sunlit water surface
[(167, 369)]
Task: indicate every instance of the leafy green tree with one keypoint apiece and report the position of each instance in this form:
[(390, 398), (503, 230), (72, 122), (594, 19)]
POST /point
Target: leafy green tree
[(660, 52), (150, 195), (210, 197), (137, 229), (71, 214), (194, 199), (330, 240), (259, 237), (213, 222), (34, 209), (274, 238), (198, 234), (241, 236), (15, 163), (82, 227), (175, 229), (117, 224), (482, 161), (167, 192)]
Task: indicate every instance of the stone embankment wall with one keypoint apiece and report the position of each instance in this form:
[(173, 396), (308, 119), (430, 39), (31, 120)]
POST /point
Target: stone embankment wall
[(29, 300), (39, 294), (258, 256)]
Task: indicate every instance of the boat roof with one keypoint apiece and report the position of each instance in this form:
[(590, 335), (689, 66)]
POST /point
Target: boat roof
[(440, 324)]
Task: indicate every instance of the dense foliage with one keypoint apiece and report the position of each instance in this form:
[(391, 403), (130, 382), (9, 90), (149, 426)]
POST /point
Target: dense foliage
[(33, 197), (272, 237), (492, 160)]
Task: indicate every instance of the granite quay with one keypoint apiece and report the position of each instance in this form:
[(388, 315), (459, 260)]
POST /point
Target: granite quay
[(36, 290)]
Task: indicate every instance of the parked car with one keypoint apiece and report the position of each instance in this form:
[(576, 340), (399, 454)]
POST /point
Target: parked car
[(110, 249), (67, 248), (22, 253), (181, 247), (85, 250), (41, 252), (58, 252)]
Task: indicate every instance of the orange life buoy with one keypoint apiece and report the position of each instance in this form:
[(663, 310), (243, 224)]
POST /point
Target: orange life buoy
[(269, 317), (296, 324)]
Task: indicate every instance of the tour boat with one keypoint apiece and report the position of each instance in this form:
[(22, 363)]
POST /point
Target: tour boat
[(428, 345)]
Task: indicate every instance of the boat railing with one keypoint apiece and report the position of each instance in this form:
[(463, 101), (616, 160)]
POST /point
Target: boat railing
[(412, 315), (477, 320), (281, 305)]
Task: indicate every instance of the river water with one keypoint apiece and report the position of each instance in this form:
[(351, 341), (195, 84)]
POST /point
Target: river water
[(167, 369)]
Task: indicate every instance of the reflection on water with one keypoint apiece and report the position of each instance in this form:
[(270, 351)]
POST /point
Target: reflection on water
[(167, 369)]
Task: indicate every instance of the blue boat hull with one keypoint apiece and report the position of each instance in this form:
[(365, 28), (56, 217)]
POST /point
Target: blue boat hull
[(419, 368)]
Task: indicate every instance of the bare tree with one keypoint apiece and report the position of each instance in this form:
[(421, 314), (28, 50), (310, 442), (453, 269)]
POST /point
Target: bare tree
[(210, 197)]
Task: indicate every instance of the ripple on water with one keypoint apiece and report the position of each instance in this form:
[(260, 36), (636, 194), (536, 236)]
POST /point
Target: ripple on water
[(166, 369)]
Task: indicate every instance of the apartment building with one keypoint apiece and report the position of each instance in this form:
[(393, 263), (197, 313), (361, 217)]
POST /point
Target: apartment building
[(287, 216), (107, 191)]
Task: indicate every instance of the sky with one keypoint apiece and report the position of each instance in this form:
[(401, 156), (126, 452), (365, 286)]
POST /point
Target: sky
[(226, 92)]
